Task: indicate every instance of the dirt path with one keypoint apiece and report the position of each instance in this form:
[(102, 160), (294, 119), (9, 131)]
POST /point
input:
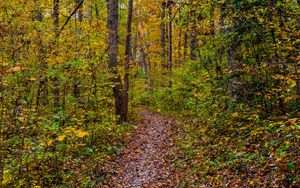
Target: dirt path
[(144, 162)]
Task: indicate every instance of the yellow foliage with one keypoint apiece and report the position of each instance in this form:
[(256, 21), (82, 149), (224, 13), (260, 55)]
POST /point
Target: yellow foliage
[(235, 114), (5, 177), (81, 133), (49, 142), (61, 137)]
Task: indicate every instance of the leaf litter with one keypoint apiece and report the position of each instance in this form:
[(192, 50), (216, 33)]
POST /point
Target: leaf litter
[(146, 160)]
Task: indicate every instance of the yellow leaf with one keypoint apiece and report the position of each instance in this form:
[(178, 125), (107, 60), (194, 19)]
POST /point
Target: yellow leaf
[(235, 114), (158, 110), (17, 68), (61, 137), (49, 142), (81, 133), (5, 177), (32, 79)]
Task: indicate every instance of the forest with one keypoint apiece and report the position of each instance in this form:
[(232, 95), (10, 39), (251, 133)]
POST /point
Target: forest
[(149, 93)]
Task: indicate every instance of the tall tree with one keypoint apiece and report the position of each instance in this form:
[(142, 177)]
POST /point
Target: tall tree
[(55, 17), (163, 32), (170, 44), (113, 26), (128, 58), (193, 37)]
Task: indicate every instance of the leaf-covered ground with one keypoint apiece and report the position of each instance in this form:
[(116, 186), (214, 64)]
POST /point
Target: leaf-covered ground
[(162, 152), (145, 161)]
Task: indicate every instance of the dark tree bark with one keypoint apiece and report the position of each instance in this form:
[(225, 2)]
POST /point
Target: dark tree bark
[(298, 86), (42, 86), (143, 60), (163, 32), (128, 58), (221, 49), (193, 36), (193, 44), (222, 16), (170, 45), (79, 17), (179, 46), (55, 18), (113, 26), (185, 45), (134, 48), (107, 9)]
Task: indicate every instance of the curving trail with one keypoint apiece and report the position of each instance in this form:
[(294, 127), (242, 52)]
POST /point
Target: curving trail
[(144, 162)]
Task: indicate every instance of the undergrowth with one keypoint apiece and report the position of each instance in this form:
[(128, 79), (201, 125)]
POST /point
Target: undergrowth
[(221, 145)]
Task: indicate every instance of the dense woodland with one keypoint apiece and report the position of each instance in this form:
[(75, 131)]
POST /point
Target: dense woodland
[(75, 73)]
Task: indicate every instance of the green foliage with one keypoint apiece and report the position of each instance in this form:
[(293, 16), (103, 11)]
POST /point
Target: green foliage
[(57, 123), (238, 126), (238, 102)]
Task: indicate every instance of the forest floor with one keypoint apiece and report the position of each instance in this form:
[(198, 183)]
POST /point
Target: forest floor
[(145, 161)]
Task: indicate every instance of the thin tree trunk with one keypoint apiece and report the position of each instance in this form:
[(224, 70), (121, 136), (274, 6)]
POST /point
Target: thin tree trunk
[(76, 82), (170, 49), (163, 32), (42, 80), (193, 44), (193, 38), (80, 13), (179, 46), (143, 61), (185, 45), (55, 18), (107, 9), (128, 54)]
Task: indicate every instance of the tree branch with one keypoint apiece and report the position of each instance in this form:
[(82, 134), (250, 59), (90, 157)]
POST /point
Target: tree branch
[(180, 7), (69, 17)]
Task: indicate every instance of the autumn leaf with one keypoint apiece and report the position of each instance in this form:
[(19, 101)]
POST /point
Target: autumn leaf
[(49, 142), (81, 133), (61, 137), (235, 114), (5, 177)]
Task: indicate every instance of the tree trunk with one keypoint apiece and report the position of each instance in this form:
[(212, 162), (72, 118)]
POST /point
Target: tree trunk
[(193, 44), (42, 80), (107, 9), (55, 18), (298, 87), (193, 37), (134, 48), (179, 46), (170, 49), (79, 14), (185, 45), (128, 54), (163, 33), (143, 61), (113, 18)]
